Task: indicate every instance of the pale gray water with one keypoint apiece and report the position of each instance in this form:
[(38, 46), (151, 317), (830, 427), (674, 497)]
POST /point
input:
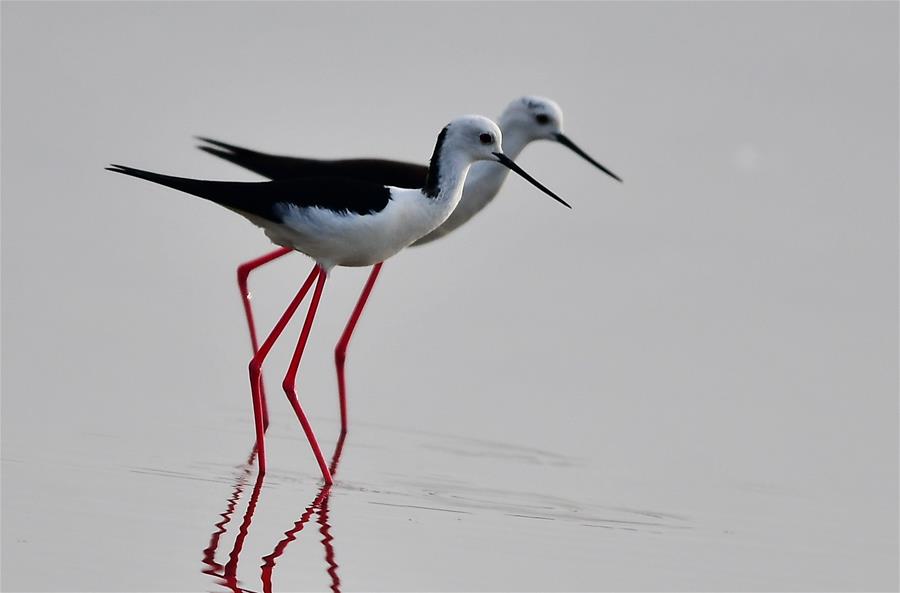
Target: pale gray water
[(687, 382)]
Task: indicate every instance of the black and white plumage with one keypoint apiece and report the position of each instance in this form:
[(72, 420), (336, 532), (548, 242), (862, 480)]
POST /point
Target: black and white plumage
[(525, 119), (267, 200), (351, 222), (273, 166)]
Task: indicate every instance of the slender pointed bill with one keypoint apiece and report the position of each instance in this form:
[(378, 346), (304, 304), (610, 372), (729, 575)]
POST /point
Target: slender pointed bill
[(564, 140), (512, 166)]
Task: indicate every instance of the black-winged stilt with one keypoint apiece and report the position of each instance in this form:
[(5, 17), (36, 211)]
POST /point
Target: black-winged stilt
[(524, 120), (347, 222)]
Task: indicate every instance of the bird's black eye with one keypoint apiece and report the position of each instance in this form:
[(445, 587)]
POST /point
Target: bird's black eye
[(486, 139), (542, 118)]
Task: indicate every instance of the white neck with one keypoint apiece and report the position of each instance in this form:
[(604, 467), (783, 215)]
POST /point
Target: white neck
[(418, 212), (483, 182), (452, 170), (514, 138)]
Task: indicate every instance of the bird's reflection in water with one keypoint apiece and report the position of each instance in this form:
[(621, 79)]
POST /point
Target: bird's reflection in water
[(213, 568), (227, 575)]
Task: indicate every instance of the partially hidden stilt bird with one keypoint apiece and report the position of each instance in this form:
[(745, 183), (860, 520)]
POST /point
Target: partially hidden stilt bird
[(339, 221), (525, 120)]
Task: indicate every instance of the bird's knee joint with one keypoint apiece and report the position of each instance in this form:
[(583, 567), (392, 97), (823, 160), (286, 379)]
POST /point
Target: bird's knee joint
[(243, 272)]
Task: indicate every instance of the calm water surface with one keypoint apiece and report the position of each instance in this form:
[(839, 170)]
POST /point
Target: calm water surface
[(410, 510)]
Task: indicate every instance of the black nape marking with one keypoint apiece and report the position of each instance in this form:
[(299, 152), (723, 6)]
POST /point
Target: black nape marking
[(433, 180), (267, 199)]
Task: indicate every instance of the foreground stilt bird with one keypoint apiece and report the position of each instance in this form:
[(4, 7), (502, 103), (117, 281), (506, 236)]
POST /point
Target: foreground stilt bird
[(339, 221), (525, 120)]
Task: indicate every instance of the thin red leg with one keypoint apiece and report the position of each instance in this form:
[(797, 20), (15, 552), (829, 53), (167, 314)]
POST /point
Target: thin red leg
[(243, 272), (290, 379), (260, 356), (336, 456), (340, 351)]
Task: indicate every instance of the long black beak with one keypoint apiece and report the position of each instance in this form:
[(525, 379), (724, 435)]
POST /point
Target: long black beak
[(564, 140), (508, 162)]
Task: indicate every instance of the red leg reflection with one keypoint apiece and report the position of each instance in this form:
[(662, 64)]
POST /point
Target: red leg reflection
[(340, 351), (229, 577), (243, 272), (318, 506), (260, 356), (327, 539), (209, 553), (290, 379), (290, 535)]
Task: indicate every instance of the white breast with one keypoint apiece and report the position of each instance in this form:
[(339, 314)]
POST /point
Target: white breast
[(482, 186)]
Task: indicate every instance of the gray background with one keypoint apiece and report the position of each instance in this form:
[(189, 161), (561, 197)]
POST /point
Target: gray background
[(687, 382)]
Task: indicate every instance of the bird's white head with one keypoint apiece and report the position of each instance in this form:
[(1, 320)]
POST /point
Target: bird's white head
[(463, 141), (474, 136), (535, 118), (539, 118)]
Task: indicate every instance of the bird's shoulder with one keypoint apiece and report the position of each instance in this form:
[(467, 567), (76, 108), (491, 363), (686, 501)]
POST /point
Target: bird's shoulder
[(338, 194), (389, 172)]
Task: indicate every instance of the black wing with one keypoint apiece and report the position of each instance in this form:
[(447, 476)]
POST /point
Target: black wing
[(385, 172), (264, 197)]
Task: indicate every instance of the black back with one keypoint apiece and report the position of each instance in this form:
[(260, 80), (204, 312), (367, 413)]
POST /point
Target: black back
[(381, 171), (267, 198)]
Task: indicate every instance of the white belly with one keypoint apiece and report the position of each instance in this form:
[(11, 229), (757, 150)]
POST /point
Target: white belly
[(349, 239)]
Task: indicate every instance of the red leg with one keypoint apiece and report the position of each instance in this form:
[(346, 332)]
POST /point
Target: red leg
[(336, 456), (260, 356), (243, 272), (290, 378), (340, 351)]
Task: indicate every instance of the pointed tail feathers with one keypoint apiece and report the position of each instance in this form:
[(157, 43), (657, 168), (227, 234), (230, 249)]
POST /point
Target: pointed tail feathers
[(242, 157), (256, 198), (195, 187)]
